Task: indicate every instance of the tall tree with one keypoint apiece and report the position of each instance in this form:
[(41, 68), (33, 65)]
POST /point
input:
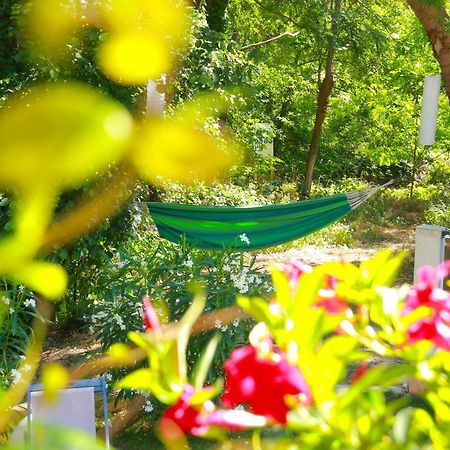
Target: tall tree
[(435, 20), (323, 96)]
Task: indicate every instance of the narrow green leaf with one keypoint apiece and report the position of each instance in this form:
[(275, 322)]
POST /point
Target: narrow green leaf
[(402, 425), (141, 379), (204, 363), (377, 376), (186, 323)]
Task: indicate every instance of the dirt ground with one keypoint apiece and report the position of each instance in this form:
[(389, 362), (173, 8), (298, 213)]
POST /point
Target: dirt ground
[(398, 239)]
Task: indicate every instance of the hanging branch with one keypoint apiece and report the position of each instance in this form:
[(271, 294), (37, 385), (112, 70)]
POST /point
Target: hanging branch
[(270, 40)]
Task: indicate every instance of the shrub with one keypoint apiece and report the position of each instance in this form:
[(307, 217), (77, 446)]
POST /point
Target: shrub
[(165, 272), (17, 308)]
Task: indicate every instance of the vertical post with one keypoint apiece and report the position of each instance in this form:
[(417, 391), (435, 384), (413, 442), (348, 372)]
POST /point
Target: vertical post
[(105, 412), (430, 246), (156, 100), (430, 104)]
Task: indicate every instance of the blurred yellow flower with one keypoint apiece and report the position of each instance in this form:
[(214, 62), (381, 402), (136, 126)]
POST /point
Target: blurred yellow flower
[(52, 24), (59, 135), (54, 378), (176, 151), (134, 58), (143, 34)]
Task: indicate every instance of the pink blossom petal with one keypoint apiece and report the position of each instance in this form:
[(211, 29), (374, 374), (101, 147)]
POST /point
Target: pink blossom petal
[(235, 419), (151, 321)]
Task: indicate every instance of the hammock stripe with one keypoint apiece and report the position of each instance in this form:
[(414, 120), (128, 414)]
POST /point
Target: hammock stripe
[(251, 228)]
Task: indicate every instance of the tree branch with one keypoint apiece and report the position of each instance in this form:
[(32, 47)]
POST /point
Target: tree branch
[(270, 40), (434, 18), (276, 13)]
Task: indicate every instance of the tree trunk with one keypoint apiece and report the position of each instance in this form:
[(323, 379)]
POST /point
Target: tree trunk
[(326, 86), (434, 19)]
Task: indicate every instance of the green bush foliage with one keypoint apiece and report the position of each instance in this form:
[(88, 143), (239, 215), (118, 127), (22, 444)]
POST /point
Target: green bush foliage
[(17, 309)]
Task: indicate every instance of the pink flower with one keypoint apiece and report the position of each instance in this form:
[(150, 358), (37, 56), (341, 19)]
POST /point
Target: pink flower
[(327, 298), (425, 292), (151, 321), (294, 270), (234, 419), (262, 383)]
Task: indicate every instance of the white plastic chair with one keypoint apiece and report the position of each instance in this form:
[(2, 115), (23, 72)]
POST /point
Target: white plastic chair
[(74, 408)]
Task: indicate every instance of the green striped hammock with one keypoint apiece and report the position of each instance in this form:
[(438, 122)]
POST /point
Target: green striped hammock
[(252, 228)]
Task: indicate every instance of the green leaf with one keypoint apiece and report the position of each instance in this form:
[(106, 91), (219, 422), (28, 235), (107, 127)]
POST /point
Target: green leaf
[(282, 288), (138, 339), (307, 293), (184, 331), (389, 271), (402, 425), (204, 363), (377, 376), (257, 308), (141, 379), (207, 393)]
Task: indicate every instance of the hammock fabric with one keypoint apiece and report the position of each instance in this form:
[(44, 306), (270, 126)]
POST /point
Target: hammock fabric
[(251, 228)]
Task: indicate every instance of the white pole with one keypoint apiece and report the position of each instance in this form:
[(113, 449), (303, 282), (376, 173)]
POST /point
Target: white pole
[(430, 103), (156, 101), (430, 247)]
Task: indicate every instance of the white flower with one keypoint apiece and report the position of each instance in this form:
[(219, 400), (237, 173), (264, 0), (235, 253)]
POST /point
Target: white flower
[(16, 375), (30, 302), (235, 323), (119, 321), (218, 323), (148, 407), (11, 310), (189, 263), (226, 268), (5, 300), (243, 237), (26, 368), (108, 377)]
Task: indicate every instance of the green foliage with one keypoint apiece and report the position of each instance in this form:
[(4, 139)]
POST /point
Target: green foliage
[(164, 271), (17, 309), (322, 342)]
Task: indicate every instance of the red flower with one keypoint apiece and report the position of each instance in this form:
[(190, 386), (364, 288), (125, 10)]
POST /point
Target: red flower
[(151, 321), (196, 419), (435, 328), (190, 419), (262, 383), (360, 371), (425, 292)]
